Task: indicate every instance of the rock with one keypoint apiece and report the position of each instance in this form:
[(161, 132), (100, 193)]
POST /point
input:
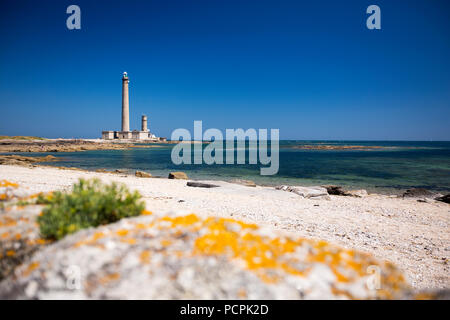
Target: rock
[(102, 170), (357, 193), (201, 184), (335, 190), (143, 174), (339, 191), (23, 160), (19, 237), (306, 192), (190, 257), (178, 175), (418, 193), (120, 171), (445, 198), (325, 197), (247, 183)]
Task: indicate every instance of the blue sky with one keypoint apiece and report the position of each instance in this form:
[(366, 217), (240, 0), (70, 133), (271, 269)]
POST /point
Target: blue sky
[(311, 69)]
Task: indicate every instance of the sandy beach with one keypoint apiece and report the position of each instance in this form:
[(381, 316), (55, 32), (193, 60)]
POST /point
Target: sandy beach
[(413, 235)]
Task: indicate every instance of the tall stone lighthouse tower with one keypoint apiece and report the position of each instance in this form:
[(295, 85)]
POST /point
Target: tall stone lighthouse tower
[(125, 104)]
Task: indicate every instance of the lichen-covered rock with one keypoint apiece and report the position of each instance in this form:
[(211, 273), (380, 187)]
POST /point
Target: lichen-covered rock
[(19, 237), (191, 257), (178, 175), (10, 190), (19, 233)]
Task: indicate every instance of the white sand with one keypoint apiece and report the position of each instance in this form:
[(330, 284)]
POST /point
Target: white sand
[(413, 235)]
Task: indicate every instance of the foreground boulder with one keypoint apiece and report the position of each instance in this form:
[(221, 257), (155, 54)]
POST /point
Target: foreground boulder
[(178, 175), (19, 234), (190, 257)]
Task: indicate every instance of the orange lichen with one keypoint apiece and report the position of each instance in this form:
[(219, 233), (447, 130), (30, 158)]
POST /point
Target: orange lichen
[(146, 213), (122, 232), (258, 252), (109, 277), (166, 242), (90, 241), (181, 221), (6, 183), (8, 222), (145, 256), (5, 235), (10, 253), (38, 241), (31, 267), (129, 240)]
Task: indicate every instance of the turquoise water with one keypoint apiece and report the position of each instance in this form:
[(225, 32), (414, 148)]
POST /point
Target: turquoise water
[(396, 166)]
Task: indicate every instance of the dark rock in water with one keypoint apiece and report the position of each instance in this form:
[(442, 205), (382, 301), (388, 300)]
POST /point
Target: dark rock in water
[(142, 174), (201, 185), (418, 193), (335, 190), (445, 198), (178, 175)]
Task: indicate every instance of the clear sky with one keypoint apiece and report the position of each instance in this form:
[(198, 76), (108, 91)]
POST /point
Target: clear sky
[(310, 68)]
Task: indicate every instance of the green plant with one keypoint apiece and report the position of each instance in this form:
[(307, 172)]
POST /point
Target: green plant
[(90, 204)]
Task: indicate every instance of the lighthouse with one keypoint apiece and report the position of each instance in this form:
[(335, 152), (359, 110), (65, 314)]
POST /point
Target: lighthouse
[(125, 104), (125, 133)]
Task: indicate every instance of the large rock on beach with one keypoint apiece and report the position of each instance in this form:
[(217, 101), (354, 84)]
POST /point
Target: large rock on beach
[(418, 193), (192, 257), (335, 190), (357, 193), (178, 175), (306, 192), (201, 184), (142, 174), (340, 191), (445, 198)]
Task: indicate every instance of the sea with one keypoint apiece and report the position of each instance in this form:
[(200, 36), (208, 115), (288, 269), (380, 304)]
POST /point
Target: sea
[(391, 168)]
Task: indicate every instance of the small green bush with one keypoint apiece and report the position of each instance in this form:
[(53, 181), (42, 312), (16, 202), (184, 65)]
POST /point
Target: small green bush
[(90, 204)]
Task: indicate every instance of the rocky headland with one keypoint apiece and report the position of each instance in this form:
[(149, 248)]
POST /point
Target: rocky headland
[(66, 145)]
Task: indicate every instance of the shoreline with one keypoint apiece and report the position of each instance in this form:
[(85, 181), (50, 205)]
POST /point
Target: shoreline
[(40, 147), (413, 235), (50, 161)]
